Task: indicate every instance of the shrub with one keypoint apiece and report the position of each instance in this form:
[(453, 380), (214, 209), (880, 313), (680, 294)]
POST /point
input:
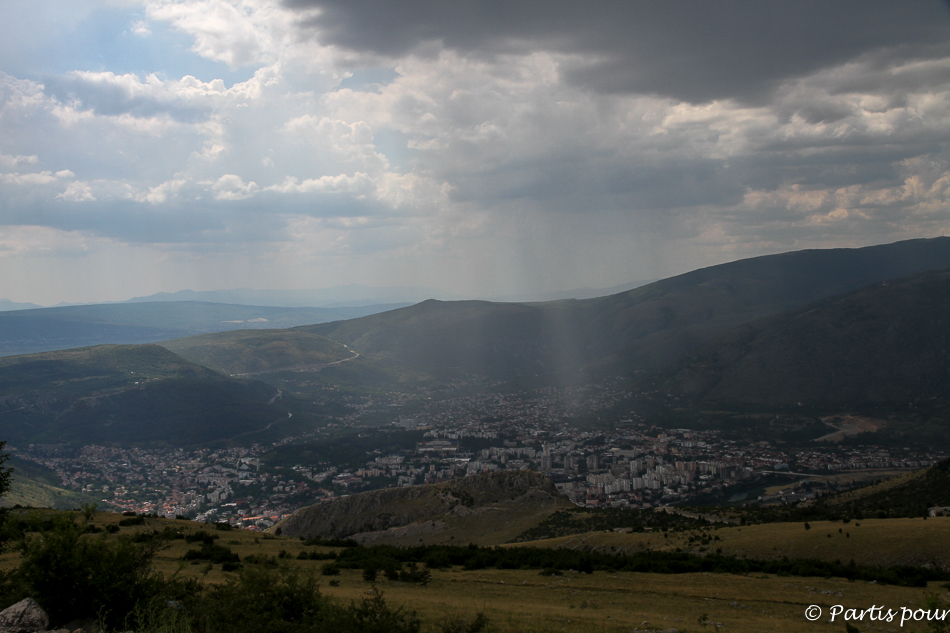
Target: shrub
[(373, 615), (370, 573), (463, 625), (213, 553), (73, 576), (417, 575), (261, 559), (263, 599), (201, 537)]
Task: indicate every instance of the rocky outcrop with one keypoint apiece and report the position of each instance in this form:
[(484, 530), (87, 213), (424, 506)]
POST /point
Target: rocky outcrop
[(425, 507), (26, 616)]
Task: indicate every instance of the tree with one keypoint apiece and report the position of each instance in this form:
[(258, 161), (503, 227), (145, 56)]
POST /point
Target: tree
[(6, 472)]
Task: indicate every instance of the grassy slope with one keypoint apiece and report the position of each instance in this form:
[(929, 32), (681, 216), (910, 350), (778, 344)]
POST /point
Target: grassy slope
[(466, 336), (255, 351), (121, 393), (524, 601), (882, 344), (31, 493), (36, 487)]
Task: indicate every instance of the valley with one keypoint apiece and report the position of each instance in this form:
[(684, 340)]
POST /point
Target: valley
[(719, 442), (616, 464)]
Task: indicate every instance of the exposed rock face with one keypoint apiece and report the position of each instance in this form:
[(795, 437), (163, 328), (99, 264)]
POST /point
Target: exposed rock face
[(384, 510), (26, 616)]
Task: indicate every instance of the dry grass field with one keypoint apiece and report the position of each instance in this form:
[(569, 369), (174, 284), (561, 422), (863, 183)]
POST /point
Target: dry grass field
[(525, 601), (850, 477), (871, 542)]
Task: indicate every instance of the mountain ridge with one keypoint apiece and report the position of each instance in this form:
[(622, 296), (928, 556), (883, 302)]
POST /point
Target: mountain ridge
[(883, 344), (47, 329), (645, 328)]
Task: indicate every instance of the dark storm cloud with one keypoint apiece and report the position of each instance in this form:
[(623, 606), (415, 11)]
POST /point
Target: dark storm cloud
[(110, 99), (685, 49)]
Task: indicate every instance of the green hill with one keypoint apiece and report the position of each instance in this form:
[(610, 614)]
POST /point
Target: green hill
[(642, 329), (477, 337), (36, 487), (126, 394), (245, 352), (886, 344)]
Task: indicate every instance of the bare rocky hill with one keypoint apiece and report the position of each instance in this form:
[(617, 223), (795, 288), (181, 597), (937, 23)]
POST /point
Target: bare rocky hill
[(487, 508)]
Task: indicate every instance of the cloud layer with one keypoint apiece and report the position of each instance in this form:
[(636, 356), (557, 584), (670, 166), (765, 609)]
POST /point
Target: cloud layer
[(486, 148)]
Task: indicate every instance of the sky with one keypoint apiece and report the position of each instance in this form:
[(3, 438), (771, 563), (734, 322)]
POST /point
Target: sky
[(480, 148)]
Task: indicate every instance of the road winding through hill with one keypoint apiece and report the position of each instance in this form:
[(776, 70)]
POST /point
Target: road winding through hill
[(305, 367)]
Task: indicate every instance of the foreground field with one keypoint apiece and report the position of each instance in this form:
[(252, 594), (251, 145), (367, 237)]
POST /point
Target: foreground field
[(871, 542), (524, 600)]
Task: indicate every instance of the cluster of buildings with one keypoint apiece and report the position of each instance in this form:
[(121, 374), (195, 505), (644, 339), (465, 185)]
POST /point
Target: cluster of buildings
[(595, 455)]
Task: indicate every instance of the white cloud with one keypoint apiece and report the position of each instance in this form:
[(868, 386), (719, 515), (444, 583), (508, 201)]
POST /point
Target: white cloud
[(77, 191), (36, 178), (464, 158), (160, 193), (141, 28), (236, 33), (17, 161), (359, 184), (231, 187)]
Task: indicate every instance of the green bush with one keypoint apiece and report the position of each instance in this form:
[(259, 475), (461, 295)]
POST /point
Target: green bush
[(263, 599), (415, 574), (201, 537), (374, 615), (370, 573), (213, 553), (74, 576)]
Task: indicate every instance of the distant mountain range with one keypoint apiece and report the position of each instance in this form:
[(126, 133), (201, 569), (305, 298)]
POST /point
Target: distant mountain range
[(350, 296), (827, 328), (355, 295), (46, 329), (6, 304)]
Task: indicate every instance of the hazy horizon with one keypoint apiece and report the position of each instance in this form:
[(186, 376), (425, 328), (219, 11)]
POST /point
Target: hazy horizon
[(479, 149)]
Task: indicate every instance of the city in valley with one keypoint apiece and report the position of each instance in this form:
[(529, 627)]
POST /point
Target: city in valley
[(595, 455)]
